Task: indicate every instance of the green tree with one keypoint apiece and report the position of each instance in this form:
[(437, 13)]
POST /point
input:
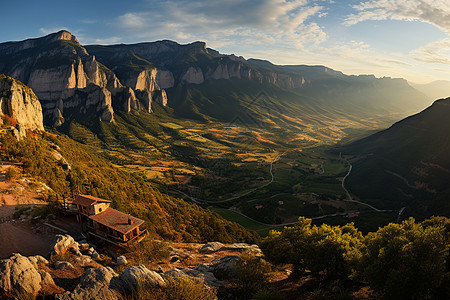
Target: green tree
[(405, 261)]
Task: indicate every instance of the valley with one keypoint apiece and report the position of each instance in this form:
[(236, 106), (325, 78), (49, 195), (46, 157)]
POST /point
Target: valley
[(252, 141)]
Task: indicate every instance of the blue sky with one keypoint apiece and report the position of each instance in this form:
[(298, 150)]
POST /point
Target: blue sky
[(397, 38)]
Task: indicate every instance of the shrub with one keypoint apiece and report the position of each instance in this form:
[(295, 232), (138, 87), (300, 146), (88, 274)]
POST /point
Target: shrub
[(12, 173), (405, 261), (183, 288), (149, 250), (331, 250), (252, 272)]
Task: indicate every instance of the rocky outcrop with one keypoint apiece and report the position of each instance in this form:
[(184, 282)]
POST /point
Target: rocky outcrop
[(64, 76), (132, 277), (242, 247), (94, 284), (164, 79), (20, 104), (64, 243), (19, 275), (211, 247), (161, 97)]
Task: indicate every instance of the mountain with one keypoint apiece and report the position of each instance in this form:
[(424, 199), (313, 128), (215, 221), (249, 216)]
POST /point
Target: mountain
[(434, 90), (406, 165), (77, 83), (69, 81), (193, 76)]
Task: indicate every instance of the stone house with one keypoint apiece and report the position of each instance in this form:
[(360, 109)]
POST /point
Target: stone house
[(101, 221)]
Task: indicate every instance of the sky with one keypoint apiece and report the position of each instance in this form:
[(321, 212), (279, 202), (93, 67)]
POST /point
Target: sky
[(395, 38)]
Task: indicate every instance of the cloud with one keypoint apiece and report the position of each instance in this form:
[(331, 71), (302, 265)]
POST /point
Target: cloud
[(219, 22), (54, 29), (437, 52), (436, 12)]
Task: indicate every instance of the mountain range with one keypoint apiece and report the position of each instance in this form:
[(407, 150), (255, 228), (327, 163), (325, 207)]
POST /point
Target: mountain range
[(162, 109), (75, 82)]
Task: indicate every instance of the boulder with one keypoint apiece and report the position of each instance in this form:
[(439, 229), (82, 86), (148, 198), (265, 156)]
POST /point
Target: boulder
[(36, 259), (132, 277), (241, 247), (64, 243), (121, 260), (205, 273), (83, 245), (94, 285), (174, 273), (211, 247), (46, 278), (59, 265), (226, 264), (84, 261), (18, 273)]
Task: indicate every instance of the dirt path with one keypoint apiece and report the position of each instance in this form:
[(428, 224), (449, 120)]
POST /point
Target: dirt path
[(19, 237)]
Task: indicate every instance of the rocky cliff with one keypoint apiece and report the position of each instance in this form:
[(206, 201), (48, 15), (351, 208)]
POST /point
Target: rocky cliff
[(20, 105), (95, 81), (174, 64), (68, 80)]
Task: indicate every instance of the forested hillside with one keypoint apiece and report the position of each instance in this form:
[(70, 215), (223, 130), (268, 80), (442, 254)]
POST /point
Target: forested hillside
[(89, 173)]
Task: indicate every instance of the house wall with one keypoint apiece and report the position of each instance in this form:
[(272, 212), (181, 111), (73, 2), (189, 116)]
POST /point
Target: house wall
[(102, 230), (99, 207)]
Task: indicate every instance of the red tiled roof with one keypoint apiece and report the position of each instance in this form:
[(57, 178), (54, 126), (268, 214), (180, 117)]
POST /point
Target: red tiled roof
[(87, 200), (116, 220)]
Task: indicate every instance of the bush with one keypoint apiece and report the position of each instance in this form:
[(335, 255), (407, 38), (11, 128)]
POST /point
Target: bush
[(12, 173), (183, 288), (405, 261), (149, 250), (252, 272), (330, 250)]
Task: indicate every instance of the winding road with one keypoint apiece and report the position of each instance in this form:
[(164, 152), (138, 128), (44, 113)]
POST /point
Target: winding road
[(197, 200), (349, 197)]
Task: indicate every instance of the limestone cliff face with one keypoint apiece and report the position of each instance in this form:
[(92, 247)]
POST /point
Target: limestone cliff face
[(66, 78), (193, 75), (165, 79), (19, 103)]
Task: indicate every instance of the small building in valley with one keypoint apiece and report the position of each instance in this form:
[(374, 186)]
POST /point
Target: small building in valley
[(101, 221)]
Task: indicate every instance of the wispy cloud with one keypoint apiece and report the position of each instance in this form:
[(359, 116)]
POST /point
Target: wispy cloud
[(266, 21), (437, 52), (436, 12)]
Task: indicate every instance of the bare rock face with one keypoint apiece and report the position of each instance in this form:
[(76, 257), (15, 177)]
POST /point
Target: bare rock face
[(94, 285), (18, 274), (165, 79), (64, 243), (20, 103), (146, 98), (125, 100), (161, 97), (132, 277), (211, 247), (145, 80), (193, 75)]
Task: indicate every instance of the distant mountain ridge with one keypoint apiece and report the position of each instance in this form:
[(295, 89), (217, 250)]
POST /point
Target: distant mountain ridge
[(85, 83), (406, 165), (434, 90)]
